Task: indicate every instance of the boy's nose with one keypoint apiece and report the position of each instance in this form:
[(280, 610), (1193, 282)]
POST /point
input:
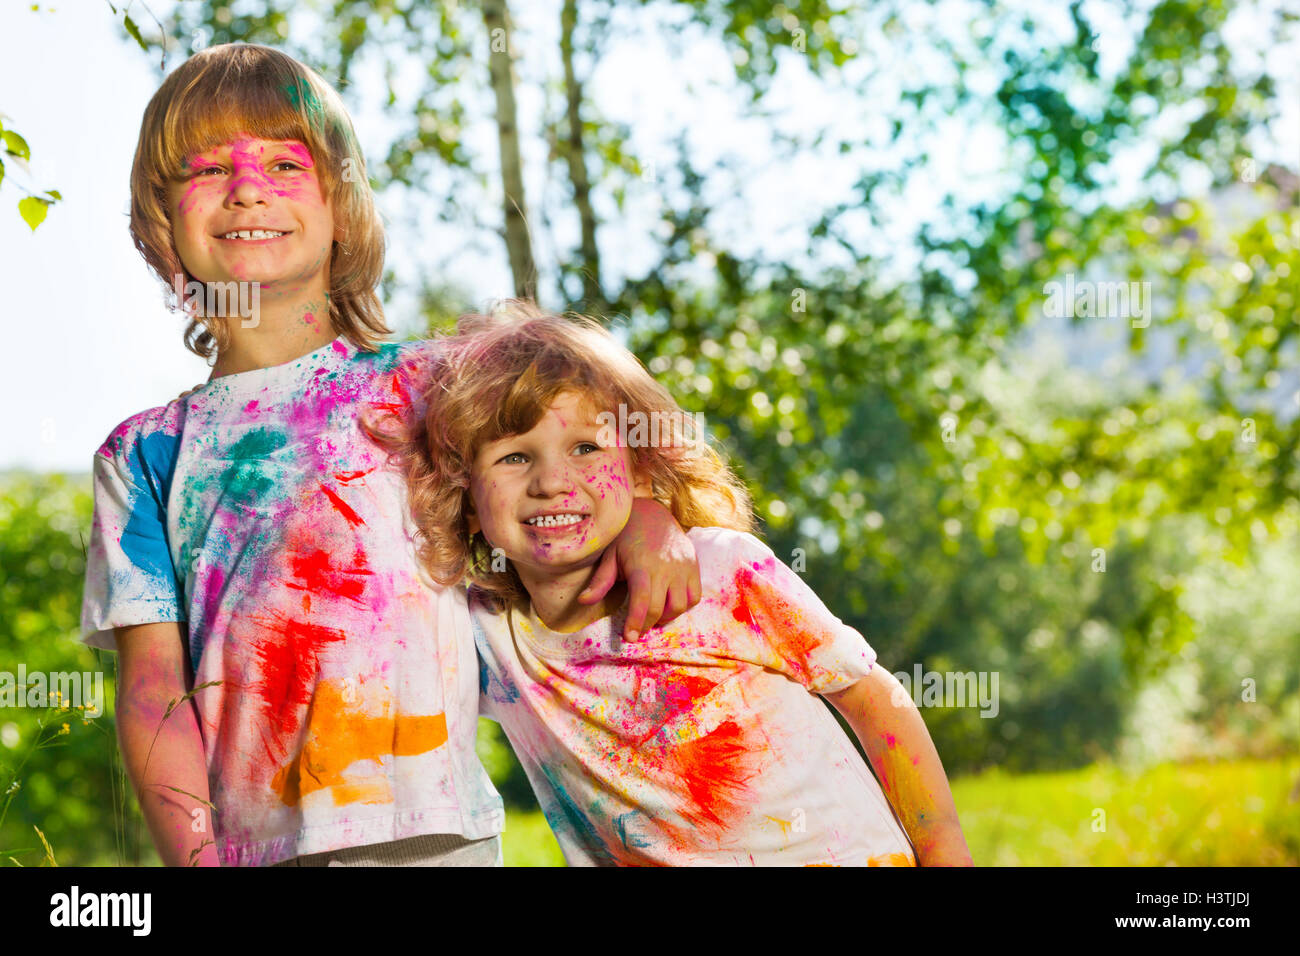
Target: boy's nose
[(248, 186)]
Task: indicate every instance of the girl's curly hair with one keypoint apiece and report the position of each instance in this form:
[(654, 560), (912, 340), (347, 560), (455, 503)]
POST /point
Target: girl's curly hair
[(496, 377)]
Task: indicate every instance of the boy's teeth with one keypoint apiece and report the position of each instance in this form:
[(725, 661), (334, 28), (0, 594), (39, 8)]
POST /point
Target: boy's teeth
[(252, 234), (554, 520)]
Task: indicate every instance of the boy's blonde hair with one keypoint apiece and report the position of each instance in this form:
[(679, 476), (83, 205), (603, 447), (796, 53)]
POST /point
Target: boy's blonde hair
[(496, 378), (239, 88)]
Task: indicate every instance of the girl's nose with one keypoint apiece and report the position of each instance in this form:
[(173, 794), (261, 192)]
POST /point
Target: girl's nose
[(550, 480)]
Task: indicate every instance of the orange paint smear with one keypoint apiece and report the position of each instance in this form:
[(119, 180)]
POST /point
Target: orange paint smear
[(892, 859), (339, 735)]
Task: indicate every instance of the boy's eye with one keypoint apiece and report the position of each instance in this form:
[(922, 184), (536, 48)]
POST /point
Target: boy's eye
[(204, 170), (514, 454), (287, 162), (585, 444)]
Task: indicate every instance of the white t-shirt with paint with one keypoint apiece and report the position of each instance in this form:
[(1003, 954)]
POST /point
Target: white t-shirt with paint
[(343, 695), (704, 742)]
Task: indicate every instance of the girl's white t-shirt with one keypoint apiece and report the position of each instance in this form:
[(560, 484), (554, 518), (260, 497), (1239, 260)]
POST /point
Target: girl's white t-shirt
[(703, 742)]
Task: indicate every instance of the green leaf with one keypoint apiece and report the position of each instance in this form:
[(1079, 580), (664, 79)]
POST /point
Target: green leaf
[(54, 194), (2, 170), (33, 209), (15, 145), (134, 30)]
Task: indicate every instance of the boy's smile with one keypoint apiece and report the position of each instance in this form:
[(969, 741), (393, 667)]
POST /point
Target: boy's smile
[(552, 499), (252, 210)]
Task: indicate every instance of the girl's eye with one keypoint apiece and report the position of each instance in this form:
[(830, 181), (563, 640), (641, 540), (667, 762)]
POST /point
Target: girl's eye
[(204, 170), (585, 444), (288, 162), (514, 454)]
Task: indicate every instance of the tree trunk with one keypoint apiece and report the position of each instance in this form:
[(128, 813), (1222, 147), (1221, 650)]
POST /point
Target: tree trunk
[(500, 67), (593, 297)]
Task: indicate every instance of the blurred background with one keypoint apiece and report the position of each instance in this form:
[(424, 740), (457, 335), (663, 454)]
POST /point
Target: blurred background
[(993, 303)]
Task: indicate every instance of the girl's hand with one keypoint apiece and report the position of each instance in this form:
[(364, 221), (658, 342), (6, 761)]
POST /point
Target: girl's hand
[(657, 560)]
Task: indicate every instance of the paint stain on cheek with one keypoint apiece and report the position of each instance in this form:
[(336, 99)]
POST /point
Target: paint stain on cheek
[(891, 740)]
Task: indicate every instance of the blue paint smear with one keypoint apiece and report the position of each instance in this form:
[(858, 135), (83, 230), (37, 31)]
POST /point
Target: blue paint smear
[(620, 827), (565, 814), (144, 539)]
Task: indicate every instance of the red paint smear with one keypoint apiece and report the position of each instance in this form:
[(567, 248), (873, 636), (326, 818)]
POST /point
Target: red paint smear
[(891, 740), (313, 570), (790, 636), (347, 477), (713, 770), (287, 663), (343, 507), (251, 407)]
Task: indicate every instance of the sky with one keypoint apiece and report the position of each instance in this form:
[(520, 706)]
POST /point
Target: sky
[(90, 341)]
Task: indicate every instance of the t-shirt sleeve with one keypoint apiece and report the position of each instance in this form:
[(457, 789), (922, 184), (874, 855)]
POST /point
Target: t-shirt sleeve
[(130, 578), (786, 624), (493, 691)]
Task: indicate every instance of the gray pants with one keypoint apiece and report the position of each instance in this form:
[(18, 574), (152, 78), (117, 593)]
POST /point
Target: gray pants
[(435, 849)]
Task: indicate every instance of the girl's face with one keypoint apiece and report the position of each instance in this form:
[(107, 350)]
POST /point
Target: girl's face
[(554, 498), (248, 185)]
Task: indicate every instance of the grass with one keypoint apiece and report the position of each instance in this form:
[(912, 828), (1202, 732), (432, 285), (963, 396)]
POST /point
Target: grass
[(1237, 813)]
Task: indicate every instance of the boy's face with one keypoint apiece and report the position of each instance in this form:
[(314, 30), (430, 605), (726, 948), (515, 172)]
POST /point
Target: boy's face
[(254, 184), (559, 468)]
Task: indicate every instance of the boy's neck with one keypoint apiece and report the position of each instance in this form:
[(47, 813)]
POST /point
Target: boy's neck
[(555, 599), (286, 329)]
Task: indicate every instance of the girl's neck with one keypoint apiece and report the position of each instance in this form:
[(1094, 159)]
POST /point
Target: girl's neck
[(284, 330), (555, 599)]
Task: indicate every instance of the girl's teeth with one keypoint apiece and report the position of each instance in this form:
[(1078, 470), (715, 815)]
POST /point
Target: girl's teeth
[(550, 521), (252, 234)]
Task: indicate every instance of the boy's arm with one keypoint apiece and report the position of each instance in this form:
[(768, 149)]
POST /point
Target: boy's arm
[(164, 750), (657, 559), (903, 756)]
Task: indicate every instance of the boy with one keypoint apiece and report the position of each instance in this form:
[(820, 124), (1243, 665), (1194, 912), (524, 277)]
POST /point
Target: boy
[(292, 688)]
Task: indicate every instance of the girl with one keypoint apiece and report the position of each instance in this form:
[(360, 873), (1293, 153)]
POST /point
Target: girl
[(292, 689), (704, 742)]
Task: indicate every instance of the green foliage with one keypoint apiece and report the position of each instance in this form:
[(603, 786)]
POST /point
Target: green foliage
[(60, 770), (33, 208)]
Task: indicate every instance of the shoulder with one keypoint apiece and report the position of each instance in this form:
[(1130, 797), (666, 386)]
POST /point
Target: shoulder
[(146, 442), (722, 552), (404, 367)]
